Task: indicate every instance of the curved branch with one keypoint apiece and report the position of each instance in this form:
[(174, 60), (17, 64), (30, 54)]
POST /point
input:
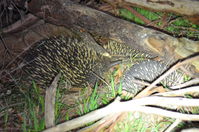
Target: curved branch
[(132, 105)]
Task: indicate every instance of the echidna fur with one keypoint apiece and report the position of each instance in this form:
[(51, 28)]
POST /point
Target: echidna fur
[(148, 71), (124, 52), (72, 57)]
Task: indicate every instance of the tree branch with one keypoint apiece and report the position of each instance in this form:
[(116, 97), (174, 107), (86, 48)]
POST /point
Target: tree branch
[(50, 103), (132, 105), (184, 7)]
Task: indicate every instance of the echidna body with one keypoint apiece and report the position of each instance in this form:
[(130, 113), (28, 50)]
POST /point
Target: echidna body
[(78, 63), (124, 52), (148, 71)]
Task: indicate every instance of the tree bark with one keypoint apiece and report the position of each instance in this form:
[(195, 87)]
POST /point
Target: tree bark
[(183, 7)]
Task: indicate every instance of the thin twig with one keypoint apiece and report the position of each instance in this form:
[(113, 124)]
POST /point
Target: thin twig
[(189, 83), (188, 72), (143, 18), (107, 122), (173, 125), (163, 101), (181, 92), (120, 117), (28, 19), (141, 82), (4, 45)]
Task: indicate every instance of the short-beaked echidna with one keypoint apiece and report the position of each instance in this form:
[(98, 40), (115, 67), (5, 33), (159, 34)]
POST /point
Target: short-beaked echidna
[(148, 71), (78, 63)]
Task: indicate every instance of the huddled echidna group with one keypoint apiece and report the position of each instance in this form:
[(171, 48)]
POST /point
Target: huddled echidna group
[(81, 65), (78, 63)]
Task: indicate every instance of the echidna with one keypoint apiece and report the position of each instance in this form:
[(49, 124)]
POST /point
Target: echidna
[(148, 71), (78, 63)]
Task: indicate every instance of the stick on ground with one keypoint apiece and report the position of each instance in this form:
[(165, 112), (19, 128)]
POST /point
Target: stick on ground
[(50, 103)]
